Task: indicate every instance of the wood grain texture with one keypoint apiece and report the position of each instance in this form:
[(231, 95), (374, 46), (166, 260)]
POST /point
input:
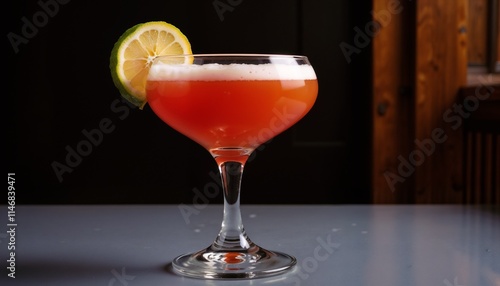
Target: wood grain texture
[(477, 31), (418, 135), (440, 70), (392, 61)]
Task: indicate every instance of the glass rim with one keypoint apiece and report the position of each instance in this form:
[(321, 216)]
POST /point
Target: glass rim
[(235, 55)]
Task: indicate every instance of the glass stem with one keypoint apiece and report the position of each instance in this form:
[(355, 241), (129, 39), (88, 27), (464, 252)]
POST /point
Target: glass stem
[(232, 235)]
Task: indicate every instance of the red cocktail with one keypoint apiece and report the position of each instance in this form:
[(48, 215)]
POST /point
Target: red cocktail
[(231, 104)]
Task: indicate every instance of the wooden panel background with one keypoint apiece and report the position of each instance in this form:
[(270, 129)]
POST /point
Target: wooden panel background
[(391, 116), (477, 31), (441, 69), (482, 179), (418, 68)]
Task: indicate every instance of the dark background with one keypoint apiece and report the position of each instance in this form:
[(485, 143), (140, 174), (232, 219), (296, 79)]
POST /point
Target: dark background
[(59, 85)]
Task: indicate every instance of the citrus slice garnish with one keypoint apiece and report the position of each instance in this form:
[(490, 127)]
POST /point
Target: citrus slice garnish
[(134, 52)]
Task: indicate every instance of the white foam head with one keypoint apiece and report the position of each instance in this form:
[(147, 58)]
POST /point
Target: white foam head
[(211, 72)]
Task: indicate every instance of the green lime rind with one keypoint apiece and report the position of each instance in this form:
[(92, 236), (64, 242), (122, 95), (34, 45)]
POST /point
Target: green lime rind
[(113, 66)]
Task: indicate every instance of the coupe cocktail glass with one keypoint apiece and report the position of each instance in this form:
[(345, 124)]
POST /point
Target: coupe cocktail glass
[(230, 104)]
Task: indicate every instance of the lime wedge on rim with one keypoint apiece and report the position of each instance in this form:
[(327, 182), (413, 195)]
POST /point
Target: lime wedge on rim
[(134, 52)]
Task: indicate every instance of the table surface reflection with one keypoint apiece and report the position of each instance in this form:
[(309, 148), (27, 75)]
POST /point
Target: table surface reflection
[(446, 245)]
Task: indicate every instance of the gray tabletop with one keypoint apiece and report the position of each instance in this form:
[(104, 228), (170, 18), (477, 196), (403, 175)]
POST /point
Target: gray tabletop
[(335, 245)]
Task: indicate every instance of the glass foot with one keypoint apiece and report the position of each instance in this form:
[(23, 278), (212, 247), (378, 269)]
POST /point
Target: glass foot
[(214, 263)]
